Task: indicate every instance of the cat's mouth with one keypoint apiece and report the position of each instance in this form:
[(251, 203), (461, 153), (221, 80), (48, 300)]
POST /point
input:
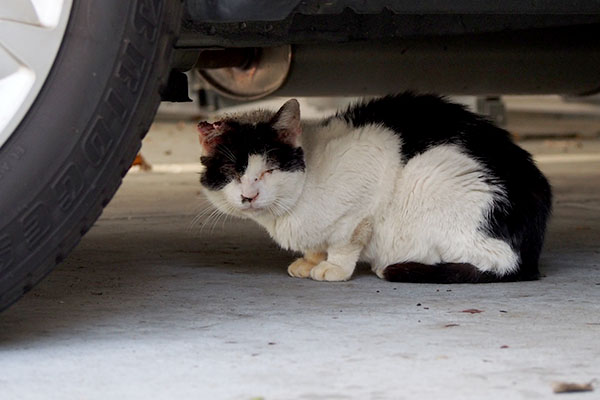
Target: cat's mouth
[(256, 209), (252, 208)]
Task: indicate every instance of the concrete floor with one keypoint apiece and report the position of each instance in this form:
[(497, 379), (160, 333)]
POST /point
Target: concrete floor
[(151, 306)]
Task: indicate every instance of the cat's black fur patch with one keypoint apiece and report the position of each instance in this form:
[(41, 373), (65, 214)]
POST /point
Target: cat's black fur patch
[(239, 141), (424, 121), (444, 273)]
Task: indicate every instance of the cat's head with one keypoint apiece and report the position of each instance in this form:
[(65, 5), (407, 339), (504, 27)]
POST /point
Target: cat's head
[(253, 163)]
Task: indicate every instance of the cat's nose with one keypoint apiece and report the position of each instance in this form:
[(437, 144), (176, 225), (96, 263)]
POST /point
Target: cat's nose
[(248, 199)]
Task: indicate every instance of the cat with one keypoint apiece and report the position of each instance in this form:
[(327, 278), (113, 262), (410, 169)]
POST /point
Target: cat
[(418, 187)]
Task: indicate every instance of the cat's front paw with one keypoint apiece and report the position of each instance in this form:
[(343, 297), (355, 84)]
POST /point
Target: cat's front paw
[(326, 271), (300, 268)]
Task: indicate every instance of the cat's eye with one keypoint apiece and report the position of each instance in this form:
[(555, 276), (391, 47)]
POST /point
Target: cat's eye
[(267, 172)]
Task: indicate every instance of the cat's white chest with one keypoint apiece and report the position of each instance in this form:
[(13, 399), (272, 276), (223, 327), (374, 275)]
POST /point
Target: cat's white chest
[(292, 232)]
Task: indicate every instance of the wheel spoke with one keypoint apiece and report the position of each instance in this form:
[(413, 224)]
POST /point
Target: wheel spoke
[(19, 11), (31, 45), (48, 11), (14, 89), (8, 64)]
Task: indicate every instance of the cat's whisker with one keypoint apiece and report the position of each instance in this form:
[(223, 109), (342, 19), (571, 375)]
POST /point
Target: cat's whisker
[(269, 151), (214, 221), (219, 215), (233, 157), (278, 209), (224, 150), (212, 216), (217, 219), (282, 209), (192, 225), (202, 213), (198, 218), (224, 220), (275, 209)]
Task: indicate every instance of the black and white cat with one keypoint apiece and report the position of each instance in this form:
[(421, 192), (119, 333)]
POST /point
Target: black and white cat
[(420, 188)]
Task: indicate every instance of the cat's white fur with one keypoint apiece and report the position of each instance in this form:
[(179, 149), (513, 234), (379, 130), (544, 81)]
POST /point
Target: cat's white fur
[(358, 200)]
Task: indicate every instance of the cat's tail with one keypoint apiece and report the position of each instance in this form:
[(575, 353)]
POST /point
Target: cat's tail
[(445, 273)]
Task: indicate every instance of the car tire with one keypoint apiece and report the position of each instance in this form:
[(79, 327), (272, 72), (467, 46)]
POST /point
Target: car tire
[(63, 163)]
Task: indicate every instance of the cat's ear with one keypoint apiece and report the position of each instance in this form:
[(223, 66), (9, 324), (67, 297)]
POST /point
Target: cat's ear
[(287, 122), (209, 134)]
